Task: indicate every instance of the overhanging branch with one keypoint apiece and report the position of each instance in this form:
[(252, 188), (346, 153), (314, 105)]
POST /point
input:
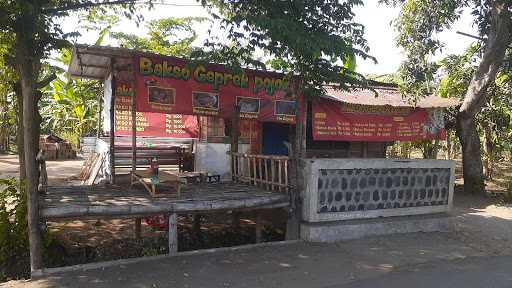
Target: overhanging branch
[(43, 83), (89, 5)]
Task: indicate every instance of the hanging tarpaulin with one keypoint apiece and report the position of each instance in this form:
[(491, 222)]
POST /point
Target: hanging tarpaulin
[(150, 124), (172, 85), (337, 121)]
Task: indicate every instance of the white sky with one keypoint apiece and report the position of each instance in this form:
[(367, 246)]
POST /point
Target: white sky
[(376, 18)]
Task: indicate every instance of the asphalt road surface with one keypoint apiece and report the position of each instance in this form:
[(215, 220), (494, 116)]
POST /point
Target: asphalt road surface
[(473, 272)]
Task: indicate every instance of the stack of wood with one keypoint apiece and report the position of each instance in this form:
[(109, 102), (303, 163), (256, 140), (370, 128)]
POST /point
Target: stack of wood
[(56, 148), (91, 168)]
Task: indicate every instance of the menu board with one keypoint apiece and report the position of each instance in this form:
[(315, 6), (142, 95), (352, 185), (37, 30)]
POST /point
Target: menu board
[(331, 122), (153, 124), (177, 86)]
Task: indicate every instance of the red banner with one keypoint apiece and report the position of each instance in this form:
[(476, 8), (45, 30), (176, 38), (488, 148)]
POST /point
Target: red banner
[(172, 85), (150, 124), (332, 122)]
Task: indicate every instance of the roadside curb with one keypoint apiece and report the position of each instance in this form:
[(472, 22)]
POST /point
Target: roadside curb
[(90, 266)]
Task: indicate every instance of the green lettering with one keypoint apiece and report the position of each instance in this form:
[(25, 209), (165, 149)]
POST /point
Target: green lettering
[(258, 83), (199, 73), (219, 79), (210, 76), (236, 80), (145, 66), (176, 72), (185, 73), (244, 81), (227, 78), (157, 71)]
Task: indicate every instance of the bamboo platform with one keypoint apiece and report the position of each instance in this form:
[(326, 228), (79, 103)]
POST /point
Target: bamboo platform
[(80, 202)]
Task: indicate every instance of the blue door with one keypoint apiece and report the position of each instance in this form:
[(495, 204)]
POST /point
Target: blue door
[(275, 137)]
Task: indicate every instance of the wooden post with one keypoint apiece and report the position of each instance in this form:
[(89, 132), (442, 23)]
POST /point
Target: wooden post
[(134, 130), (138, 227), (98, 125), (112, 124), (299, 151), (173, 233), (197, 226), (235, 220), (235, 132), (259, 227)]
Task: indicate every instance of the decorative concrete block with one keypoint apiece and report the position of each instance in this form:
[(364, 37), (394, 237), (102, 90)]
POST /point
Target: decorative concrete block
[(344, 189), (354, 229)]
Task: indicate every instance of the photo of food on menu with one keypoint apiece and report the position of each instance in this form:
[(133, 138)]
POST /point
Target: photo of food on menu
[(285, 107), (205, 100), (248, 105), (162, 96)]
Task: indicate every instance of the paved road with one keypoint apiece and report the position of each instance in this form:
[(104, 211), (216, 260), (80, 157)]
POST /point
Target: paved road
[(474, 272), (372, 262)]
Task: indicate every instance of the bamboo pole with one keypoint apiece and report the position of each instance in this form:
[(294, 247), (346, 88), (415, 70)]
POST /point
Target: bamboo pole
[(259, 227), (98, 125), (279, 175), (112, 123), (134, 127), (235, 131), (173, 234), (260, 172)]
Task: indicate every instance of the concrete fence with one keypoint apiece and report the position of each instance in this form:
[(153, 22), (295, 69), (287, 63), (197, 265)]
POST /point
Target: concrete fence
[(345, 189)]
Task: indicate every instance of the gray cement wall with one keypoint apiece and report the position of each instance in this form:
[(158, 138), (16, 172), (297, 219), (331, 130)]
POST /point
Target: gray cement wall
[(354, 229), (343, 189)]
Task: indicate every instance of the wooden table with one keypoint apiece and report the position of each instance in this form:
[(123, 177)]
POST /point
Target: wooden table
[(176, 179), (150, 181)]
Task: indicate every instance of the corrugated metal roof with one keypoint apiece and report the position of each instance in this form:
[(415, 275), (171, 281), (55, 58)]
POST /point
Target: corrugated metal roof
[(91, 61), (386, 97)]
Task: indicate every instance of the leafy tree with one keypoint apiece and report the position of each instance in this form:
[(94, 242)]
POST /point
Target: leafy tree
[(418, 24), (314, 39), (36, 32), (7, 78), (168, 36), (493, 122)]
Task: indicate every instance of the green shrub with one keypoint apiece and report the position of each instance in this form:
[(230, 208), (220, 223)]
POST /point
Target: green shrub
[(14, 251)]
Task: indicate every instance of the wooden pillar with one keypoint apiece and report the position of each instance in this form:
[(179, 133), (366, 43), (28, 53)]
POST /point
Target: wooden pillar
[(138, 228), (259, 227), (112, 124), (98, 125), (235, 133), (134, 128), (173, 233), (235, 220), (197, 225), (299, 152)]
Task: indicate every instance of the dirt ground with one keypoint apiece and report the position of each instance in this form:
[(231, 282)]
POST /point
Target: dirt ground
[(482, 223)]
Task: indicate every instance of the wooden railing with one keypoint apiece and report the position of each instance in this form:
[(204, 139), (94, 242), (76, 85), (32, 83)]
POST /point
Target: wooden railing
[(268, 172)]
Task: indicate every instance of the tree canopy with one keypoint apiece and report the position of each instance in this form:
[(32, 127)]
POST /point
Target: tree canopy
[(311, 38), (169, 36), (418, 24)]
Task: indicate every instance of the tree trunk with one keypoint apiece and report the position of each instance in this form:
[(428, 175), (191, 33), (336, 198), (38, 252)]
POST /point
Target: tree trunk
[(4, 127), (497, 42), (19, 133), (489, 152), (471, 156), (28, 66), (449, 145)]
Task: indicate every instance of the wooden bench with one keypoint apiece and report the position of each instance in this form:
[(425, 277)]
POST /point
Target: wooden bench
[(176, 156)]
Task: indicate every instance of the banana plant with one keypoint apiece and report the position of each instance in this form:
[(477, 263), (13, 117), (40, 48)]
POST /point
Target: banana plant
[(70, 107)]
